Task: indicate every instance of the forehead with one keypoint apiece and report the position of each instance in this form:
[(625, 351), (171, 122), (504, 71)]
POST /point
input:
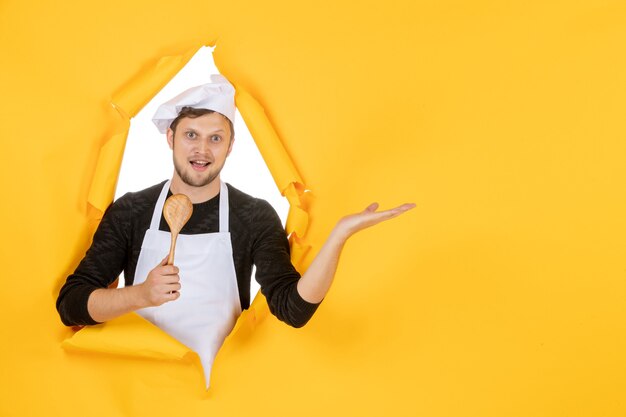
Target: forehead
[(208, 122)]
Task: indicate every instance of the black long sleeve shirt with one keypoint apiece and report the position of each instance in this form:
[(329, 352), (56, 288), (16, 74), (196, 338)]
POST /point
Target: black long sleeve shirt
[(257, 238)]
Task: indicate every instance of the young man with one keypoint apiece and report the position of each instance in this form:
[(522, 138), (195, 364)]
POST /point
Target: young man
[(198, 299)]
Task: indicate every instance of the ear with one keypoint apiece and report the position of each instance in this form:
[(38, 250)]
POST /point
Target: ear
[(170, 137)]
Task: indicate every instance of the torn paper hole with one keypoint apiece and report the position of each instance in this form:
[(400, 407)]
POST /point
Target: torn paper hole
[(147, 148)]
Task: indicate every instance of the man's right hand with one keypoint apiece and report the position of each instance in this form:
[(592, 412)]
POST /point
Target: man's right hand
[(161, 285)]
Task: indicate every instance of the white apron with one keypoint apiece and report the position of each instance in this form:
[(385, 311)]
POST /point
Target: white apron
[(208, 305)]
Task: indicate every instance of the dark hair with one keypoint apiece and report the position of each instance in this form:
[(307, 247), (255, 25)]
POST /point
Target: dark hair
[(192, 113)]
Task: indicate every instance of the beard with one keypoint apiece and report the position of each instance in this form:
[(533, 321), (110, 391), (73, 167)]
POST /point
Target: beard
[(194, 181)]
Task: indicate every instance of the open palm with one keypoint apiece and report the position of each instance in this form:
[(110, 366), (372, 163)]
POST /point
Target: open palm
[(369, 217)]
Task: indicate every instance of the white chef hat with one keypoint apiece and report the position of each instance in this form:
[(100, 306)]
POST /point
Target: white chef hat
[(218, 95)]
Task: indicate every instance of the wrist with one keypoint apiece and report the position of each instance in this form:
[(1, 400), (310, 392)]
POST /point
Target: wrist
[(136, 297), (339, 235)]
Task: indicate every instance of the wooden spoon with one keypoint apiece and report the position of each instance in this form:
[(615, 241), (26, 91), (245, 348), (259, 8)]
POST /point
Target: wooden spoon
[(176, 210)]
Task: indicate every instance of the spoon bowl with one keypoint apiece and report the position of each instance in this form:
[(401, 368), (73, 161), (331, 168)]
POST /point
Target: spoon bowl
[(176, 210)]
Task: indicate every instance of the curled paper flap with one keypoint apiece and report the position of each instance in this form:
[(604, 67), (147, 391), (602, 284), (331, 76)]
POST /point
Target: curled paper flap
[(281, 166), (271, 148), (131, 98), (107, 171), (299, 250), (298, 219), (248, 320), (129, 335)]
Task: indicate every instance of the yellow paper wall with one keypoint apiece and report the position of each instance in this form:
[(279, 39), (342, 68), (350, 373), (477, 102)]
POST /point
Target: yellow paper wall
[(501, 294)]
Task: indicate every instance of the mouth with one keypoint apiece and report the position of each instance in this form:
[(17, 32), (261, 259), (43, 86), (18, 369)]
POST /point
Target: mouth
[(199, 164)]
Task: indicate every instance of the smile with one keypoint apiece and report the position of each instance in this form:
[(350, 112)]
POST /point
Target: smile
[(199, 165)]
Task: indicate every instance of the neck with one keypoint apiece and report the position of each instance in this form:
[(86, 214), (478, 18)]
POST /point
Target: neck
[(195, 194)]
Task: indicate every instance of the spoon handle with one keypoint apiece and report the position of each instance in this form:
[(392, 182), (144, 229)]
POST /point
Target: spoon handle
[(170, 259)]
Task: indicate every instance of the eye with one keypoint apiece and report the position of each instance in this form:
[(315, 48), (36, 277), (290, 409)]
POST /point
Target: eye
[(216, 138), (190, 134)]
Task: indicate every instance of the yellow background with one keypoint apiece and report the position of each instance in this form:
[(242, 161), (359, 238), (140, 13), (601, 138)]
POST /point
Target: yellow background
[(501, 294)]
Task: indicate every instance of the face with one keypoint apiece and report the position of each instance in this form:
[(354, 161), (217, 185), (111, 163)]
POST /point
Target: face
[(200, 147)]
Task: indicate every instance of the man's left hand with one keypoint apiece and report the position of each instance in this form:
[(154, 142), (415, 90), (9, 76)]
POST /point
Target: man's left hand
[(353, 223)]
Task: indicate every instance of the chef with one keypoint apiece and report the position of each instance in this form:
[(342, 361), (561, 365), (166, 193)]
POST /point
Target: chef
[(198, 300)]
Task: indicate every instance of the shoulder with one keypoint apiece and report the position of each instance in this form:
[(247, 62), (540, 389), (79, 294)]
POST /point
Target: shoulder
[(242, 201), (135, 203), (249, 209), (235, 194), (137, 199)]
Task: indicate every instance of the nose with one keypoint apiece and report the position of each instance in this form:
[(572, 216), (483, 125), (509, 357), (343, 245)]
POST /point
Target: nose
[(204, 147)]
